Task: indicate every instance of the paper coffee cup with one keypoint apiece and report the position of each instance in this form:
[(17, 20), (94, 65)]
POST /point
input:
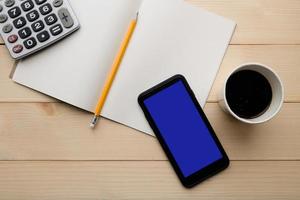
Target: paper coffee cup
[(277, 93)]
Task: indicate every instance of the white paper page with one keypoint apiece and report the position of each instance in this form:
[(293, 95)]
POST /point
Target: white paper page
[(74, 70), (172, 37)]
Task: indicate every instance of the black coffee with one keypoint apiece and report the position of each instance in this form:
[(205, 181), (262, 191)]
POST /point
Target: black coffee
[(248, 93)]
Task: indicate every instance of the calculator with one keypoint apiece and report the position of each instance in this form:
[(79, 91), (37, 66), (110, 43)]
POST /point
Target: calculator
[(27, 26)]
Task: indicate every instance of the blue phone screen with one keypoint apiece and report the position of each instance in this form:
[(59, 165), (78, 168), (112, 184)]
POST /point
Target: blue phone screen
[(183, 129)]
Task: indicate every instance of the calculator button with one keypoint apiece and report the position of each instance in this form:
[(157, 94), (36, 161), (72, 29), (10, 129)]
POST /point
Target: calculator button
[(32, 16), (1, 8), (30, 43), (57, 3), (65, 18), (18, 48), (45, 9), (14, 12), (3, 18), (7, 28), (27, 5), (55, 30), (38, 26), (9, 3), (39, 2), (43, 36), (50, 19), (24, 33), (20, 22), (12, 38)]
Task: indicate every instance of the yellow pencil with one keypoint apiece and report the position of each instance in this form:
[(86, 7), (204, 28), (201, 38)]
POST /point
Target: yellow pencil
[(113, 72)]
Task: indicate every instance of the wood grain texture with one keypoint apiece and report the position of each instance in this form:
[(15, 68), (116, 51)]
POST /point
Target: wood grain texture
[(145, 180), (283, 58), (54, 131), (48, 152), (259, 21)]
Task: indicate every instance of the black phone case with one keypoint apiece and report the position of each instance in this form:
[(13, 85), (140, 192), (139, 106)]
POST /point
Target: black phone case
[(204, 173)]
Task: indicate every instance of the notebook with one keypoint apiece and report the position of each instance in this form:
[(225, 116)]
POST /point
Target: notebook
[(171, 37)]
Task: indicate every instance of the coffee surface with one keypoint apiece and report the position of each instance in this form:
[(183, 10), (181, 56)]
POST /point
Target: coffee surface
[(248, 93)]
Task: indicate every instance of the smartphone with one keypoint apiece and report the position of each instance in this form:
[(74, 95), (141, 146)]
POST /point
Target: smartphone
[(183, 131)]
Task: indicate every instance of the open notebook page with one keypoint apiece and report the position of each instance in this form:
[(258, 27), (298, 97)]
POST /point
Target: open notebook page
[(74, 69), (171, 38)]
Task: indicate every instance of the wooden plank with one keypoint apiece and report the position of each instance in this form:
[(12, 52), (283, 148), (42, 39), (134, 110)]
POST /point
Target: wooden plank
[(145, 180), (283, 58), (54, 131), (259, 21)]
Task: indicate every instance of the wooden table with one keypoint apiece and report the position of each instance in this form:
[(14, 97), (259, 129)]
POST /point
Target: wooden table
[(47, 150)]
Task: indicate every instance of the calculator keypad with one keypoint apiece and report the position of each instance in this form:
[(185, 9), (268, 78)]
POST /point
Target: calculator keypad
[(9, 3), (27, 26), (27, 5), (43, 36), (19, 22), (18, 48), (32, 16), (14, 12), (25, 33), (7, 28), (39, 2), (55, 30), (12, 38), (30, 43), (65, 18), (50, 19), (3, 18), (38, 26), (57, 3), (45, 9)]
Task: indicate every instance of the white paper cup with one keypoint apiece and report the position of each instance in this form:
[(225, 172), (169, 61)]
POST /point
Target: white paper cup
[(277, 90)]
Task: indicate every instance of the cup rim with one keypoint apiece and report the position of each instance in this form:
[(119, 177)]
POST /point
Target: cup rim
[(248, 120)]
